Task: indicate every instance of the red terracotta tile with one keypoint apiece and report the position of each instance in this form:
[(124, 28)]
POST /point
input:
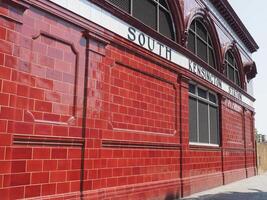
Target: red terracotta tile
[(18, 166), (20, 179), (21, 153), (32, 191)]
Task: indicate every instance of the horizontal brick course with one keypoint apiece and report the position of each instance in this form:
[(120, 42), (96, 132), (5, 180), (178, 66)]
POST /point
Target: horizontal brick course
[(127, 139)]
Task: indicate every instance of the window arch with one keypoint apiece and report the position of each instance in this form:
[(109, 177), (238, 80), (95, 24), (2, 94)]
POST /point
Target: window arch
[(153, 13), (200, 43), (231, 70)]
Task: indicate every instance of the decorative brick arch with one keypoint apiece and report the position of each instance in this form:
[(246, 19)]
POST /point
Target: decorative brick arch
[(176, 12), (233, 48), (203, 14), (177, 17)]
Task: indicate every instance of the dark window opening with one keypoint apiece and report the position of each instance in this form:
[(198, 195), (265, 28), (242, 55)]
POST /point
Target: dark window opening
[(165, 24), (203, 116), (149, 17), (122, 4), (199, 42), (153, 13), (231, 68)]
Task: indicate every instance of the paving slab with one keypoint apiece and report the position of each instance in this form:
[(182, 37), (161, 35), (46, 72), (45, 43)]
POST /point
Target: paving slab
[(253, 188)]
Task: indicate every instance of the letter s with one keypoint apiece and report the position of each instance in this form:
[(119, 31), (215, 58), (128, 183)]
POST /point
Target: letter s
[(131, 34)]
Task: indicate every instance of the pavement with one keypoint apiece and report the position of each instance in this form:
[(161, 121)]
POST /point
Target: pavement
[(253, 188)]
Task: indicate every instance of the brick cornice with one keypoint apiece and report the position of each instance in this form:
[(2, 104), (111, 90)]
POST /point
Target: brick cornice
[(18, 4), (226, 10)]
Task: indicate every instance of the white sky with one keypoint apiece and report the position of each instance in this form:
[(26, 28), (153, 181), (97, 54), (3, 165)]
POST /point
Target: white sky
[(254, 16)]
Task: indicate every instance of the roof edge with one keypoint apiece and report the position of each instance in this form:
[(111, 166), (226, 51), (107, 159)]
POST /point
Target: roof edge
[(228, 13)]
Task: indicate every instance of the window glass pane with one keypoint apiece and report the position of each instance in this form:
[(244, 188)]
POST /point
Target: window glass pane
[(226, 70), (193, 120), (163, 3), (212, 98), (209, 40), (146, 12), (202, 93), (192, 88), (192, 26), (237, 81), (203, 122), (202, 50), (165, 24), (122, 4), (211, 58), (214, 139), (191, 42), (231, 73), (230, 58), (201, 31)]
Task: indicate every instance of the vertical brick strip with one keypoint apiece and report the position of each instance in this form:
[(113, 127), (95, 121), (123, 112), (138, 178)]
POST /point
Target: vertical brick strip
[(221, 99), (11, 13), (254, 142), (90, 49), (184, 133), (245, 139)]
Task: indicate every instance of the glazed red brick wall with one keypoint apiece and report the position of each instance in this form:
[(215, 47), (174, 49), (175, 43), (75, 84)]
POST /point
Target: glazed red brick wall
[(42, 110), (97, 116), (250, 144), (238, 156), (204, 162), (122, 149), (232, 126)]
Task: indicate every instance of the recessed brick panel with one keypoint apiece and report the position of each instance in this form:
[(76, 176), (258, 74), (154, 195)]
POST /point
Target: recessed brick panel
[(141, 101), (57, 66), (232, 127)]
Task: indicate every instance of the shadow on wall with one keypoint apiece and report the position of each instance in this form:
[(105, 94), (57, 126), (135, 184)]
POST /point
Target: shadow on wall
[(172, 196), (253, 195)]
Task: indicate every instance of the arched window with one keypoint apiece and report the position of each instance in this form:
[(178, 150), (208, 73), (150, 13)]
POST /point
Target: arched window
[(199, 42), (153, 13), (231, 69)]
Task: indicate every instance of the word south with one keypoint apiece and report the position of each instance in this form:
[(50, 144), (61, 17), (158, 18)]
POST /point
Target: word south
[(149, 43)]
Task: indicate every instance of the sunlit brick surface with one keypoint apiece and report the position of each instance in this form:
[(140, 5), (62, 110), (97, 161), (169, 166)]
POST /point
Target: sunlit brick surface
[(83, 114)]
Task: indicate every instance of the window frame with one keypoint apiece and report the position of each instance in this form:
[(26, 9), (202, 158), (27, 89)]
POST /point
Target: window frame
[(237, 80), (158, 7), (210, 103), (206, 42)]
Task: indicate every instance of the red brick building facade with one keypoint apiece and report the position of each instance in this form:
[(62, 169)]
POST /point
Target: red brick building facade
[(114, 99)]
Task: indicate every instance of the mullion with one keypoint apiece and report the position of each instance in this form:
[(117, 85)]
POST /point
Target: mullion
[(197, 120), (195, 37), (131, 7), (162, 7), (204, 100), (235, 70), (209, 121), (209, 104), (157, 15), (205, 41), (158, 9), (207, 48)]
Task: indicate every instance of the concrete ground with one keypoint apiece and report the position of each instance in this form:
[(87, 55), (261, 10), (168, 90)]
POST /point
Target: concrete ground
[(254, 188)]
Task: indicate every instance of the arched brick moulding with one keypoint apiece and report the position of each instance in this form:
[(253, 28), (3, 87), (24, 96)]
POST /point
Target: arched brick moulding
[(203, 14), (233, 48), (28, 115), (176, 15)]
